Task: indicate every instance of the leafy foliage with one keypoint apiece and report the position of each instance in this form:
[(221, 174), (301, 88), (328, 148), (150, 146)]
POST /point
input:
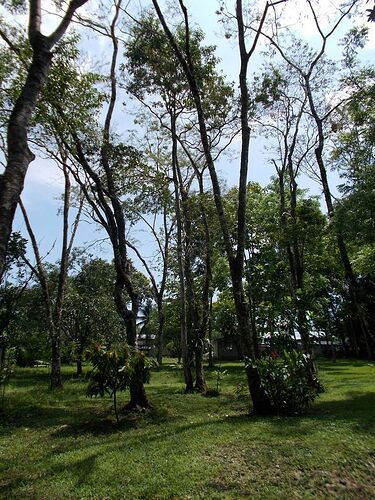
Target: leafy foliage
[(114, 370), (289, 380)]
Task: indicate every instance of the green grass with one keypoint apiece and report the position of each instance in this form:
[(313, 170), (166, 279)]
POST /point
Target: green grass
[(65, 446)]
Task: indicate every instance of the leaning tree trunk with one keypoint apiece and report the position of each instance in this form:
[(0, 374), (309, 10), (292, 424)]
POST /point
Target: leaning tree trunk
[(19, 154)]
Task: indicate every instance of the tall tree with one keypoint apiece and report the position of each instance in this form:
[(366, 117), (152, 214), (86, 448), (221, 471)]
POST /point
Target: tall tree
[(54, 300), (157, 80), (235, 256), (98, 164), (150, 206), (19, 155), (313, 69), (283, 105)]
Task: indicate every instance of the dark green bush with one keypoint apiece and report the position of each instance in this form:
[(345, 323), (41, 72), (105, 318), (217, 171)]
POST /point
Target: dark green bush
[(289, 380), (114, 370)]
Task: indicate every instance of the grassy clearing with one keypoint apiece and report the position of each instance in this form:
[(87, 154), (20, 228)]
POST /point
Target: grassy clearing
[(64, 445)]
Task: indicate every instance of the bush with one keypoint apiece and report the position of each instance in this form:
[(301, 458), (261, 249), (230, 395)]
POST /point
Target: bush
[(114, 370), (289, 380), (220, 374)]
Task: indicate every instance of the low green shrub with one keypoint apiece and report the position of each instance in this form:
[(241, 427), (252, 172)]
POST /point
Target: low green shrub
[(289, 380), (114, 370)]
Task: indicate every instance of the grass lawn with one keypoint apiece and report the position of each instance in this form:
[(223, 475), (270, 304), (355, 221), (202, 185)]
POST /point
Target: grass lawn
[(64, 445)]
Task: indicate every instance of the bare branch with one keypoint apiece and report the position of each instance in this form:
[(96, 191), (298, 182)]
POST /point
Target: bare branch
[(63, 26)]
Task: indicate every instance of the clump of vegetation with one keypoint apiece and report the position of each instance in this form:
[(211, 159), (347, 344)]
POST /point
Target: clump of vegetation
[(220, 374), (289, 379), (114, 370)]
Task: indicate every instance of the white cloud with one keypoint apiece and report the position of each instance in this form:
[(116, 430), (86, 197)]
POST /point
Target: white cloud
[(45, 178)]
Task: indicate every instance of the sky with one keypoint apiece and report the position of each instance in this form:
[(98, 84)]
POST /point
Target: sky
[(43, 186)]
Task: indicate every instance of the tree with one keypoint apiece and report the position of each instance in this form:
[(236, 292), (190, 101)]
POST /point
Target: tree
[(151, 205), (235, 257), (155, 76), (313, 68), (54, 301), (97, 158), (90, 315), (282, 120), (354, 158), (19, 156), (114, 371)]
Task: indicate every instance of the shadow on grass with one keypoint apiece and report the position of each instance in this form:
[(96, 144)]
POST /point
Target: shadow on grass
[(357, 410), (97, 427), (29, 377), (106, 425), (357, 405), (81, 469), (36, 417), (340, 367)]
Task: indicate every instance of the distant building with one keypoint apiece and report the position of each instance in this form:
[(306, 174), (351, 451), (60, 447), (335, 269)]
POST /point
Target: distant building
[(145, 342), (226, 349)]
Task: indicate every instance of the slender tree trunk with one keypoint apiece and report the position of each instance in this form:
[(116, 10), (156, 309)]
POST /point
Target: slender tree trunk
[(54, 333), (115, 406), (56, 380), (161, 320), (210, 352), (79, 371), (79, 357), (160, 294), (192, 322), (2, 352), (200, 381), (235, 262), (186, 356), (292, 249), (199, 319), (252, 312)]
